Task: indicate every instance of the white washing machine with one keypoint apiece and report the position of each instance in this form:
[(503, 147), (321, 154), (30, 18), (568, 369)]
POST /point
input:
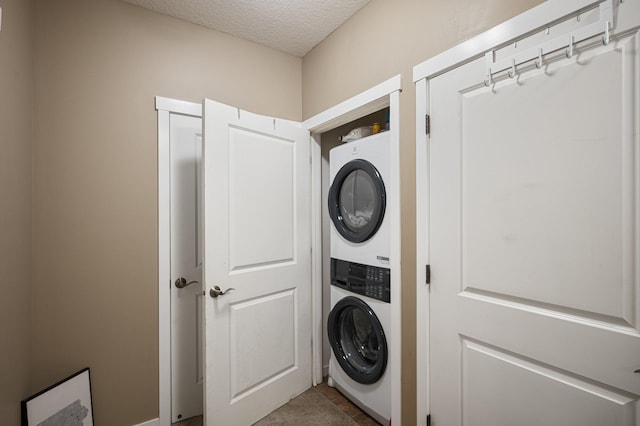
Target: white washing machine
[(360, 275), (359, 343)]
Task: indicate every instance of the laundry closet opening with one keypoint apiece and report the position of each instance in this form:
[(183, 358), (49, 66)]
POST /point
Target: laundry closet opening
[(357, 186), (331, 139)]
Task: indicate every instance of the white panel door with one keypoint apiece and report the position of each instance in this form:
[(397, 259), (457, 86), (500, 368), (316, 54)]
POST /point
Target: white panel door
[(186, 263), (257, 241), (534, 241)]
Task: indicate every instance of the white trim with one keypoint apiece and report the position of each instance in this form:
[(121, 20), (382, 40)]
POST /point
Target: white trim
[(625, 16), (164, 270), (523, 24), (422, 250), (394, 206), (165, 108), (385, 94), (361, 104), (316, 257), (152, 422), (178, 107)]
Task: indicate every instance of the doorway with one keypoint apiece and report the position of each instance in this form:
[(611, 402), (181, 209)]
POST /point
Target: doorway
[(385, 95), (180, 260), (527, 215), (329, 140)]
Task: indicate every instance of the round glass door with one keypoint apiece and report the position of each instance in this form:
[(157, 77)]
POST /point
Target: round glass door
[(357, 200), (357, 340)]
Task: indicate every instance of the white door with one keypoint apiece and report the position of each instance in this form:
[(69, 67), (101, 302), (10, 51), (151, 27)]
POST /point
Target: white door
[(186, 267), (534, 242), (257, 241)]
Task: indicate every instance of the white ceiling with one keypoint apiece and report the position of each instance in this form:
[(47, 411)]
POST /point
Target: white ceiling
[(292, 26)]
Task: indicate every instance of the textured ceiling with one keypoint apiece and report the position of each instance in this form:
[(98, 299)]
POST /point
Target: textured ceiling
[(292, 26)]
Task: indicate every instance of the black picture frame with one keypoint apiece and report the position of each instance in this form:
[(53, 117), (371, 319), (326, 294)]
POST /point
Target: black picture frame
[(68, 402)]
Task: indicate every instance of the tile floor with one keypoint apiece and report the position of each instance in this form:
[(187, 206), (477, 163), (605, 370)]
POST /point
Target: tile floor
[(347, 407), (318, 406)]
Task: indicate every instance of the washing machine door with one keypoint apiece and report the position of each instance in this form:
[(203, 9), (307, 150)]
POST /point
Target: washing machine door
[(357, 200), (358, 340)]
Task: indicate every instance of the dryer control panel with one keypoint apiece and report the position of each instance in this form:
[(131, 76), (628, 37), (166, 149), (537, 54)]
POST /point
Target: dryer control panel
[(367, 280)]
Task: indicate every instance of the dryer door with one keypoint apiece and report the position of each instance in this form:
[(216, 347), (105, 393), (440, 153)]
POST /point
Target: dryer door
[(357, 200), (357, 340)]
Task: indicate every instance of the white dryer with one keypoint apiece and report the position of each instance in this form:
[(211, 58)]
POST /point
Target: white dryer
[(358, 200), (360, 275)]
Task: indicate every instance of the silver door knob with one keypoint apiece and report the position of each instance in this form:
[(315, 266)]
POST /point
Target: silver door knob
[(182, 283), (215, 291)]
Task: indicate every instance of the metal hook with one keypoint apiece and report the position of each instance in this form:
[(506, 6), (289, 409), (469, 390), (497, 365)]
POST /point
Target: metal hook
[(489, 81), (539, 60), (512, 72), (605, 39), (569, 51)]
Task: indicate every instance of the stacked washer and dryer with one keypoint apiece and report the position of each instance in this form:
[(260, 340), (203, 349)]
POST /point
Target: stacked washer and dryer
[(360, 275)]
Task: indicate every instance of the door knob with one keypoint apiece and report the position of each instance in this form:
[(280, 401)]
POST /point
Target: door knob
[(215, 291), (182, 283)]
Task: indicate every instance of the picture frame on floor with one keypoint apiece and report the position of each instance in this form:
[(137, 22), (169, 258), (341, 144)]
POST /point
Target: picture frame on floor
[(67, 402)]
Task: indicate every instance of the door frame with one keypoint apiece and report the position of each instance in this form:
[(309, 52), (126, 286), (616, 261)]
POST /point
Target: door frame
[(165, 108), (385, 94), (519, 27)]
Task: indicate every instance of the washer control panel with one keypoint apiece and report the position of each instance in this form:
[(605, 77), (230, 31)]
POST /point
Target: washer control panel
[(367, 280)]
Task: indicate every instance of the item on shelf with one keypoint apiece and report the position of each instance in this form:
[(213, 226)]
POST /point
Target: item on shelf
[(357, 133)]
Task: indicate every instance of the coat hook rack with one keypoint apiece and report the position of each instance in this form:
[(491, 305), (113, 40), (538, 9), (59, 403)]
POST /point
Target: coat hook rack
[(604, 26)]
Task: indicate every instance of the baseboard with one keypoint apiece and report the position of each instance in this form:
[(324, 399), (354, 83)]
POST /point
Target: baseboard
[(152, 422)]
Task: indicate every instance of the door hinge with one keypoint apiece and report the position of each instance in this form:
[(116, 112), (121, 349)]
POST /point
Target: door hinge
[(428, 274), (427, 124), (428, 419)]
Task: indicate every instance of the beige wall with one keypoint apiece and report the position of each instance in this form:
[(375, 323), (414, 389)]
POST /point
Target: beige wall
[(16, 104), (384, 39), (99, 65)]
